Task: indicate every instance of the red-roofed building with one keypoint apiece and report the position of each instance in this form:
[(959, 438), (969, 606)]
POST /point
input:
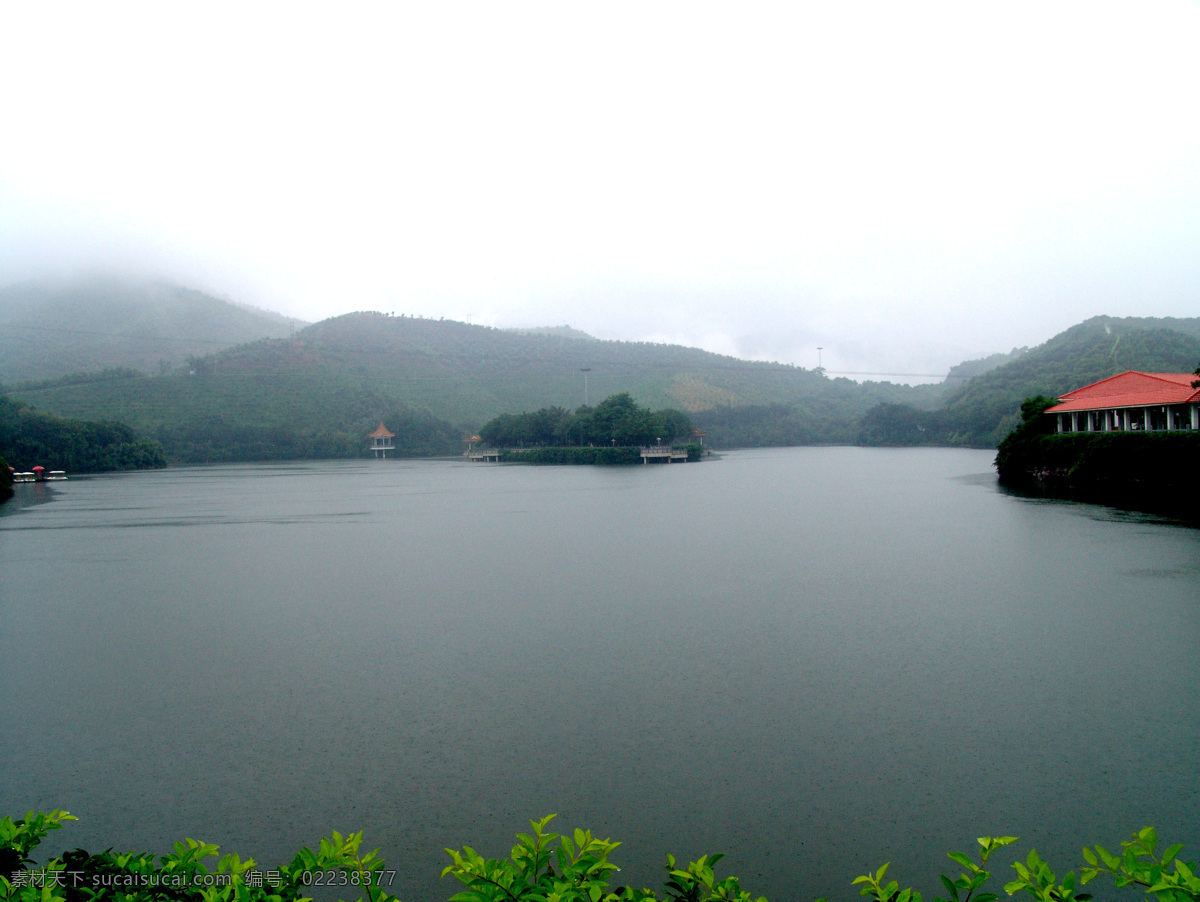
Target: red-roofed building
[(381, 441), (1131, 401)]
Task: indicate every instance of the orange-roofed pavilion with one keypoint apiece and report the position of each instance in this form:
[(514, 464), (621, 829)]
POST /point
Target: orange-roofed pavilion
[(1131, 401), (381, 441)]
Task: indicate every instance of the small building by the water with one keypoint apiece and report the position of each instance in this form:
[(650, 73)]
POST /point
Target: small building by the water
[(381, 441), (1131, 401)]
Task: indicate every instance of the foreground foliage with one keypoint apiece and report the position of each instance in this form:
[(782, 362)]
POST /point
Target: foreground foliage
[(1164, 876), (542, 867), (551, 867), (191, 872)]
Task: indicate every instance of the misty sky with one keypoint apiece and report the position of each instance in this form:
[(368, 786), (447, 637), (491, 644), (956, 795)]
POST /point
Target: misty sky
[(905, 184)]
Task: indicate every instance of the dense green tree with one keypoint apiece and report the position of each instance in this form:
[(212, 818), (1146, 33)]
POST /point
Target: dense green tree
[(812, 422), (616, 421), (673, 425), (898, 424), (29, 437), (1019, 453)]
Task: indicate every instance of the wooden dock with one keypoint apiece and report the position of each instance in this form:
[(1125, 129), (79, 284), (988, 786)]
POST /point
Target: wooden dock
[(664, 455)]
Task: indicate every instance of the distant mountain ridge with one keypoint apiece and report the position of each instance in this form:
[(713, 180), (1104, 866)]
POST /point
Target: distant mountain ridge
[(563, 331), (48, 330), (319, 391), (969, 369)]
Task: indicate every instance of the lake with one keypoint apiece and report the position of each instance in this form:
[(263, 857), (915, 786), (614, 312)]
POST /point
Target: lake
[(812, 659)]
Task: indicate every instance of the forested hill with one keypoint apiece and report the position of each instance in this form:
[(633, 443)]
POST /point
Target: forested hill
[(48, 330), (318, 394), (468, 374), (984, 410)]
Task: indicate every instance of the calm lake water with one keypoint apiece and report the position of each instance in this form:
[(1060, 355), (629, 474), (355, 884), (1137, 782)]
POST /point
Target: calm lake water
[(815, 660)]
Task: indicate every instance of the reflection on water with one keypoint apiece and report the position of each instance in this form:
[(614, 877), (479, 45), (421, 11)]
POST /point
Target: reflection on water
[(815, 660)]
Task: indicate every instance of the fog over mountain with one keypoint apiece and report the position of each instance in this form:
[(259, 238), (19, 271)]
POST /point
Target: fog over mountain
[(902, 186), (49, 329)]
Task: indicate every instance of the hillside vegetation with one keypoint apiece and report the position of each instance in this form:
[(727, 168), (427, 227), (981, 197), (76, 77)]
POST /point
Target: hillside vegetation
[(30, 438), (319, 394), (983, 411), (50, 330)]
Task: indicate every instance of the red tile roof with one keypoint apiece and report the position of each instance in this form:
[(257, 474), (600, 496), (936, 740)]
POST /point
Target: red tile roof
[(1131, 389), (381, 432)]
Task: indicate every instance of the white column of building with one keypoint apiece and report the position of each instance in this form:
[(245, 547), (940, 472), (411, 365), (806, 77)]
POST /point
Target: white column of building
[(1170, 419), (1196, 416), (1146, 421), (1074, 421)]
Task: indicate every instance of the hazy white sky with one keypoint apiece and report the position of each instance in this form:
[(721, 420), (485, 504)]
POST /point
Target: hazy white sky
[(904, 184)]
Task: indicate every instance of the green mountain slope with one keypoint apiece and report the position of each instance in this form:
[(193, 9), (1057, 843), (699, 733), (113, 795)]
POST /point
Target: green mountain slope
[(988, 407), (320, 392), (470, 374), (969, 369), (984, 410), (50, 330)]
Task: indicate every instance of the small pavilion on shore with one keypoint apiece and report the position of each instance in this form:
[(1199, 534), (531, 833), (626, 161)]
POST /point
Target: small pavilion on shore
[(1131, 402), (381, 441)]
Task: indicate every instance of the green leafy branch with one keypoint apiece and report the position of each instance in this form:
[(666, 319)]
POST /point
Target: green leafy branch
[(1139, 865), (529, 873), (962, 888), (20, 837), (698, 883), (583, 873), (1035, 878), (181, 875), (1167, 877)]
